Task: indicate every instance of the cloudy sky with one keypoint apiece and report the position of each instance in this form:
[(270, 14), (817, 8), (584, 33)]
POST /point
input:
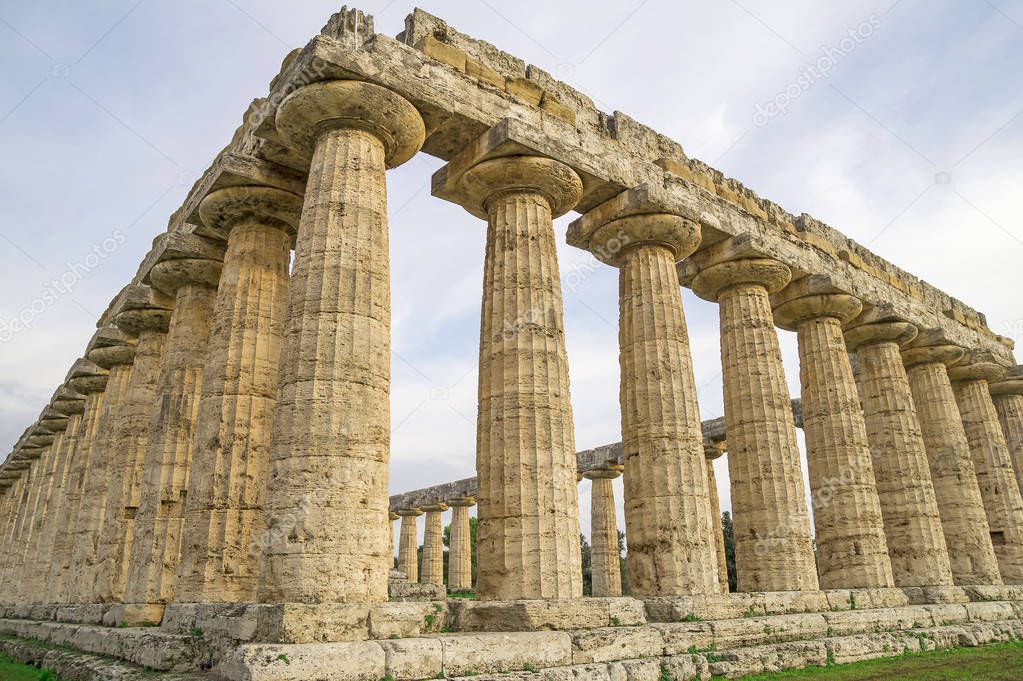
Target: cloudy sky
[(910, 143)]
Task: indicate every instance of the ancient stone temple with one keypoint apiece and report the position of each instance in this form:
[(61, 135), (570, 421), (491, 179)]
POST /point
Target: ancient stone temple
[(206, 495)]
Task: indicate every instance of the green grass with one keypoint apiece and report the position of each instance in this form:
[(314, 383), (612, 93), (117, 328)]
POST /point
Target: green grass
[(12, 671), (999, 662)]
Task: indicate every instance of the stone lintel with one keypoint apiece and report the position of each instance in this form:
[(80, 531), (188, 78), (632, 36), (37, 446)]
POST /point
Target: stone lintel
[(642, 200), (189, 246), (458, 111), (513, 137)]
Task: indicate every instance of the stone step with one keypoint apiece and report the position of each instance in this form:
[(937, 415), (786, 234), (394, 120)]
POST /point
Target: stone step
[(145, 647), (767, 641), (73, 664)]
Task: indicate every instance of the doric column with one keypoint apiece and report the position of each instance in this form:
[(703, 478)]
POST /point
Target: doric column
[(667, 506), (391, 517), (916, 543), (433, 545), (15, 514), (55, 548), (995, 476), (224, 533), (114, 351), (408, 543), (711, 452), (605, 559), (773, 551), (37, 553), (155, 548), (460, 545), (145, 315), (1007, 393), (851, 548), (25, 557), (330, 447), (528, 532), (963, 519)]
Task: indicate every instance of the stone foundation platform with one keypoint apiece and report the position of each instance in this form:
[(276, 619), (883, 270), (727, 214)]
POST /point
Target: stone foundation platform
[(687, 637)]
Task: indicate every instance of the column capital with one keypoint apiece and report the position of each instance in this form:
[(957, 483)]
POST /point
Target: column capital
[(309, 112), (1011, 383), (224, 209), (714, 449), (67, 401), (715, 279), (813, 297), (87, 377), (608, 471), (110, 347), (556, 182), (975, 371), (437, 507), (392, 516), (409, 512), (633, 217), (898, 332), (461, 501), (170, 275), (143, 308), (946, 354)]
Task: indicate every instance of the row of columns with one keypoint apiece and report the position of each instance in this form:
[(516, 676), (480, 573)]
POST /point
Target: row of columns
[(227, 438)]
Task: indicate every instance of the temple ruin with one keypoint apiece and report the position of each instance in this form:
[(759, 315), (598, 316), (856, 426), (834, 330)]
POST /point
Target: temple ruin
[(206, 494)]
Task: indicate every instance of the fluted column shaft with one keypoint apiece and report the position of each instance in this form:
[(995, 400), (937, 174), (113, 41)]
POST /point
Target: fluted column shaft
[(128, 451), (55, 547), (36, 559), (667, 508), (460, 546), (155, 549), (851, 548), (963, 519), (773, 551), (408, 545), (1008, 399), (25, 542), (433, 546), (715, 510), (17, 496), (330, 447), (995, 477), (223, 535), (93, 477), (605, 559), (916, 543)]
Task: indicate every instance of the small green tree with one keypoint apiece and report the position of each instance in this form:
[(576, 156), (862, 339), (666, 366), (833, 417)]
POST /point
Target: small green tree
[(729, 532), (587, 556)]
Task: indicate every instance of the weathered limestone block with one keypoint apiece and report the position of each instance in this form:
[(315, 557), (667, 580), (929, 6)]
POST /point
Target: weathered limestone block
[(156, 546), (615, 643), (851, 546), (528, 532), (433, 545), (963, 519), (773, 551), (916, 544), (605, 558), (460, 549), (539, 615), (413, 658), (362, 661), (995, 476), (1007, 394), (331, 430), (712, 452), (96, 464), (494, 653), (408, 543), (667, 501), (147, 320), (224, 531)]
